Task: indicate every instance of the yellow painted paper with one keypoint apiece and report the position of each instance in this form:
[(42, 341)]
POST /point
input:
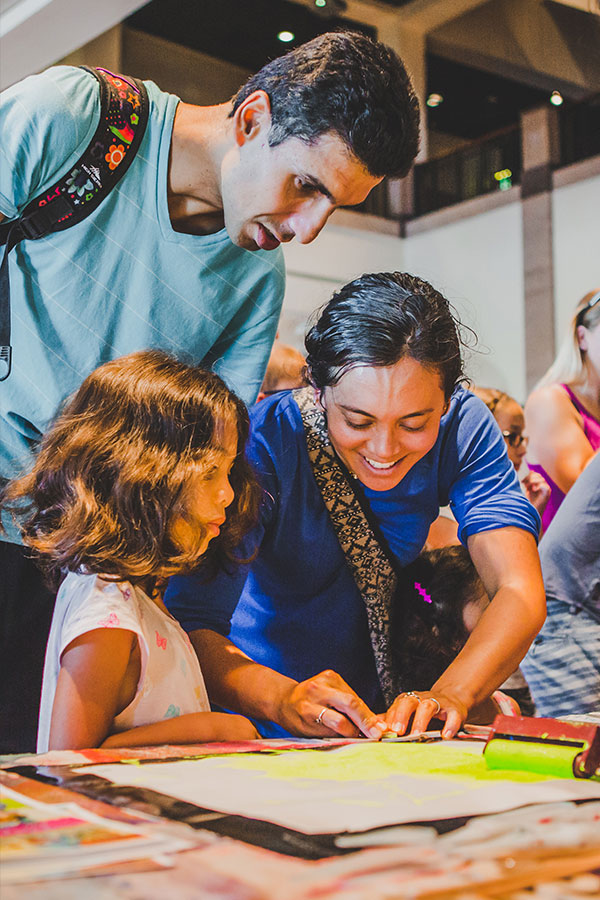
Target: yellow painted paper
[(351, 788)]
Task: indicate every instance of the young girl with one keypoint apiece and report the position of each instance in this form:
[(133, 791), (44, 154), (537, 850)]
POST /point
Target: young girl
[(443, 600), (510, 416), (131, 484)]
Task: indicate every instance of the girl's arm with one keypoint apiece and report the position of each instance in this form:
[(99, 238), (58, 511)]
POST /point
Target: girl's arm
[(193, 728), (97, 680), (508, 564), (557, 440), (90, 688)]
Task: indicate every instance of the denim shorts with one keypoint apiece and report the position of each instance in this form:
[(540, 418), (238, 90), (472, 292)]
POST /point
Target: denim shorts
[(562, 666)]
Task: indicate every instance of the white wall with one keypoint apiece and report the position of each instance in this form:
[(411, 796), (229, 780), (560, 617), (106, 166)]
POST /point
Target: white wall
[(477, 262), (316, 270), (576, 246)]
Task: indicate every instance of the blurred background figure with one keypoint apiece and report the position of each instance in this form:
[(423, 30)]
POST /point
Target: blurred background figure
[(285, 370), (562, 666), (510, 417), (563, 411)]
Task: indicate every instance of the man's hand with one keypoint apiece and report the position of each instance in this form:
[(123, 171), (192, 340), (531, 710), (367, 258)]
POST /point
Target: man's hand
[(324, 705)]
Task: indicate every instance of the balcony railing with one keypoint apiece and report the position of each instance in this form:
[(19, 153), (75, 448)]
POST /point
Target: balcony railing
[(493, 164), (490, 165)]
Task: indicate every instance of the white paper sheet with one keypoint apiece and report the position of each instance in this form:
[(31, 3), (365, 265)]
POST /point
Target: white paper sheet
[(352, 788)]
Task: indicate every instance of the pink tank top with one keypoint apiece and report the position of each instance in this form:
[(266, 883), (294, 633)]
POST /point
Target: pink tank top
[(591, 429)]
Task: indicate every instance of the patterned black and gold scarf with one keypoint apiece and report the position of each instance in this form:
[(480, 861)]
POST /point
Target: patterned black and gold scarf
[(371, 569)]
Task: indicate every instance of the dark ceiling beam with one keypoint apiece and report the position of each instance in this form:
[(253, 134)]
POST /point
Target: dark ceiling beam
[(542, 44)]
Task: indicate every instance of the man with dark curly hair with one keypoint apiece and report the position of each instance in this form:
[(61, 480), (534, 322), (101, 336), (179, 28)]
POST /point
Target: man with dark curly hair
[(163, 260)]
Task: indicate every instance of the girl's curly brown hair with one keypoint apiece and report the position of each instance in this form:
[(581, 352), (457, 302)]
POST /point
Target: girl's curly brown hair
[(109, 476)]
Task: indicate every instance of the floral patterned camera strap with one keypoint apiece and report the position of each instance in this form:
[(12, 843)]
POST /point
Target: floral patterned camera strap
[(123, 117), (371, 569)]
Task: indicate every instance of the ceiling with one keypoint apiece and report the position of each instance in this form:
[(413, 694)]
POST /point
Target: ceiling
[(244, 32), (475, 103), (489, 59)]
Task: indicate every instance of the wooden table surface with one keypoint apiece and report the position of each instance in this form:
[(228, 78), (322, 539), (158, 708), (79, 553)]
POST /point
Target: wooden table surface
[(224, 869)]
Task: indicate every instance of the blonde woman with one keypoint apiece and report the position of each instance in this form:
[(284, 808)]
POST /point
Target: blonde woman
[(563, 412)]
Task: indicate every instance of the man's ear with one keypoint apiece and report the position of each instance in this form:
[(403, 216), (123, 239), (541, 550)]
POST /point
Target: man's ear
[(252, 117)]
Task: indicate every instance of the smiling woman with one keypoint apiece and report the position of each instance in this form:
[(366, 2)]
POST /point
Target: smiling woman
[(354, 469)]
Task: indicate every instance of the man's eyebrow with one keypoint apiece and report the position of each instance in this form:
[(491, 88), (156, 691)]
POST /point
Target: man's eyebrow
[(361, 412), (318, 186)]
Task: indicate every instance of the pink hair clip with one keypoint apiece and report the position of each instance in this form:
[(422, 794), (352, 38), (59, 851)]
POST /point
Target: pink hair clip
[(426, 597)]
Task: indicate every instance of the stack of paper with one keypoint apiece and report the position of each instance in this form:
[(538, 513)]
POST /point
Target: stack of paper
[(52, 840)]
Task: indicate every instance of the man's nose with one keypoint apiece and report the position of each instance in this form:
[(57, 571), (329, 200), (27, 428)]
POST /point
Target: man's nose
[(308, 222)]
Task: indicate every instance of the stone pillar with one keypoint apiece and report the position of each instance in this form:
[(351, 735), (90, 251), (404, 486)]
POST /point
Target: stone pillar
[(540, 147), (410, 46)]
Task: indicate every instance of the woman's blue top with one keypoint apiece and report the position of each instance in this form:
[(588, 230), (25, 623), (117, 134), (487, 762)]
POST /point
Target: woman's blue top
[(297, 609)]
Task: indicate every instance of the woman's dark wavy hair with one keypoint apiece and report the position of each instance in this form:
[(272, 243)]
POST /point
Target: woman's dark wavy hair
[(378, 319), (111, 472), (347, 83)]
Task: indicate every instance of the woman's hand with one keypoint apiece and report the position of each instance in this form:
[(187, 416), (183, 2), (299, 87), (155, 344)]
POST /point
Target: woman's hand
[(321, 706), (422, 707), (324, 705)]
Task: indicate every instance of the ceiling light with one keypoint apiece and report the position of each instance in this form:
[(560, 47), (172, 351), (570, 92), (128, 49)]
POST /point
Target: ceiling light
[(286, 36), (329, 9), (556, 98), (434, 100)]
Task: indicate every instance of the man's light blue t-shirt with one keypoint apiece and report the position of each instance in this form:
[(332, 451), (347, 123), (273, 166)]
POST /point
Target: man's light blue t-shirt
[(122, 279)]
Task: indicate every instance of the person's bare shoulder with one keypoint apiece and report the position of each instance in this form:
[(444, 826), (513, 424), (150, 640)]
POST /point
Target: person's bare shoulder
[(548, 407)]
